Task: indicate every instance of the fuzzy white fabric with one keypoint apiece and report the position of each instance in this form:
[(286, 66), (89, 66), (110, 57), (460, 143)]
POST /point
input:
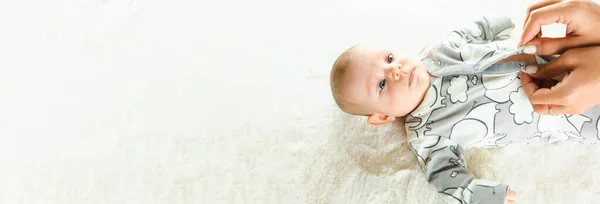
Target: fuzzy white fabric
[(228, 102)]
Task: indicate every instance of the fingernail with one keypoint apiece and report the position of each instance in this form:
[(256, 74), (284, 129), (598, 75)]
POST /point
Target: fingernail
[(529, 49), (530, 69)]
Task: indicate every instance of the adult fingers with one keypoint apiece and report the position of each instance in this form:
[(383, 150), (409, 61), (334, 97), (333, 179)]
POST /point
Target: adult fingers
[(547, 83), (544, 109), (554, 68), (538, 97), (538, 5), (562, 93), (528, 84), (551, 46), (555, 13)]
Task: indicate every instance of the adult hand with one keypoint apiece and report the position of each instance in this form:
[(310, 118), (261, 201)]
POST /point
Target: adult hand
[(578, 91), (582, 19)]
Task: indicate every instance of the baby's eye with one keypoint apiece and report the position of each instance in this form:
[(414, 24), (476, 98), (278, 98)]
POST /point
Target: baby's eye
[(381, 85), (390, 58)]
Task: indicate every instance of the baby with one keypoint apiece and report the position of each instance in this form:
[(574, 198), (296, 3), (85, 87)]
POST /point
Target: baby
[(463, 92)]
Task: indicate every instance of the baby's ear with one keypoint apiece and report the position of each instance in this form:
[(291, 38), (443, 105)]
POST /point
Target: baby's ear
[(377, 119)]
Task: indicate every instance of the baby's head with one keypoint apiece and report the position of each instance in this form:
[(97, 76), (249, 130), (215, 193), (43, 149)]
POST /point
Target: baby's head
[(377, 83)]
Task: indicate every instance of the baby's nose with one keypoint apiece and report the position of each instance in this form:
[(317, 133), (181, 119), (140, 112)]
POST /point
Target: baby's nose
[(400, 69), (396, 71)]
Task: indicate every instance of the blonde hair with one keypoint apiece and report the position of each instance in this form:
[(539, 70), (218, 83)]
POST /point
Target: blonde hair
[(337, 81)]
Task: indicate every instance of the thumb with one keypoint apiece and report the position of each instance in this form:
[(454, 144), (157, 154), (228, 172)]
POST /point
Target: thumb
[(551, 46), (550, 70)]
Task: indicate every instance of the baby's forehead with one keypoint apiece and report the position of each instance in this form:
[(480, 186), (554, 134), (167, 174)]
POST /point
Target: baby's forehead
[(365, 49), (362, 53), (360, 57)]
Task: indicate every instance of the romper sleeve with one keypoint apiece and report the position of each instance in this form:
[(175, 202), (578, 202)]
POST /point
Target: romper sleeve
[(471, 48), (484, 30), (443, 163)]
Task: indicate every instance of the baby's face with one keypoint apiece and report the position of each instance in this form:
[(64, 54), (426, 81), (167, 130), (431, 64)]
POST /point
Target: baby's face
[(384, 83)]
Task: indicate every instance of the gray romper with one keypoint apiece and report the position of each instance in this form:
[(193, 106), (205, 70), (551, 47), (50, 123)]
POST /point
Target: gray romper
[(475, 103)]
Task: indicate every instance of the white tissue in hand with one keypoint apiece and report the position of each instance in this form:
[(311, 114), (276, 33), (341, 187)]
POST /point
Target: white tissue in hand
[(555, 30)]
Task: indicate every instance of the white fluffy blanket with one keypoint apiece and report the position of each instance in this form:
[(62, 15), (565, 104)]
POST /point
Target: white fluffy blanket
[(364, 164)]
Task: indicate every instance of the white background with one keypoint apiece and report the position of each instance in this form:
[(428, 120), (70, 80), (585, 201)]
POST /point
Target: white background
[(133, 101)]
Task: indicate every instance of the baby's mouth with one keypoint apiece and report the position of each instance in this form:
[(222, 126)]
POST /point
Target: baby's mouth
[(410, 77)]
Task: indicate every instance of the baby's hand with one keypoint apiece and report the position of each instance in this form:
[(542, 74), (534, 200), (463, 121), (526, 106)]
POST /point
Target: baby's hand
[(511, 196)]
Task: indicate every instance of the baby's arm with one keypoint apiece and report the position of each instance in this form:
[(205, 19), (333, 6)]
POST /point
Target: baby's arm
[(444, 168), (473, 45), (484, 30)]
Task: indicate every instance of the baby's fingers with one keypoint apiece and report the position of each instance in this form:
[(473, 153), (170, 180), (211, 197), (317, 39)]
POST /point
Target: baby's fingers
[(511, 196)]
